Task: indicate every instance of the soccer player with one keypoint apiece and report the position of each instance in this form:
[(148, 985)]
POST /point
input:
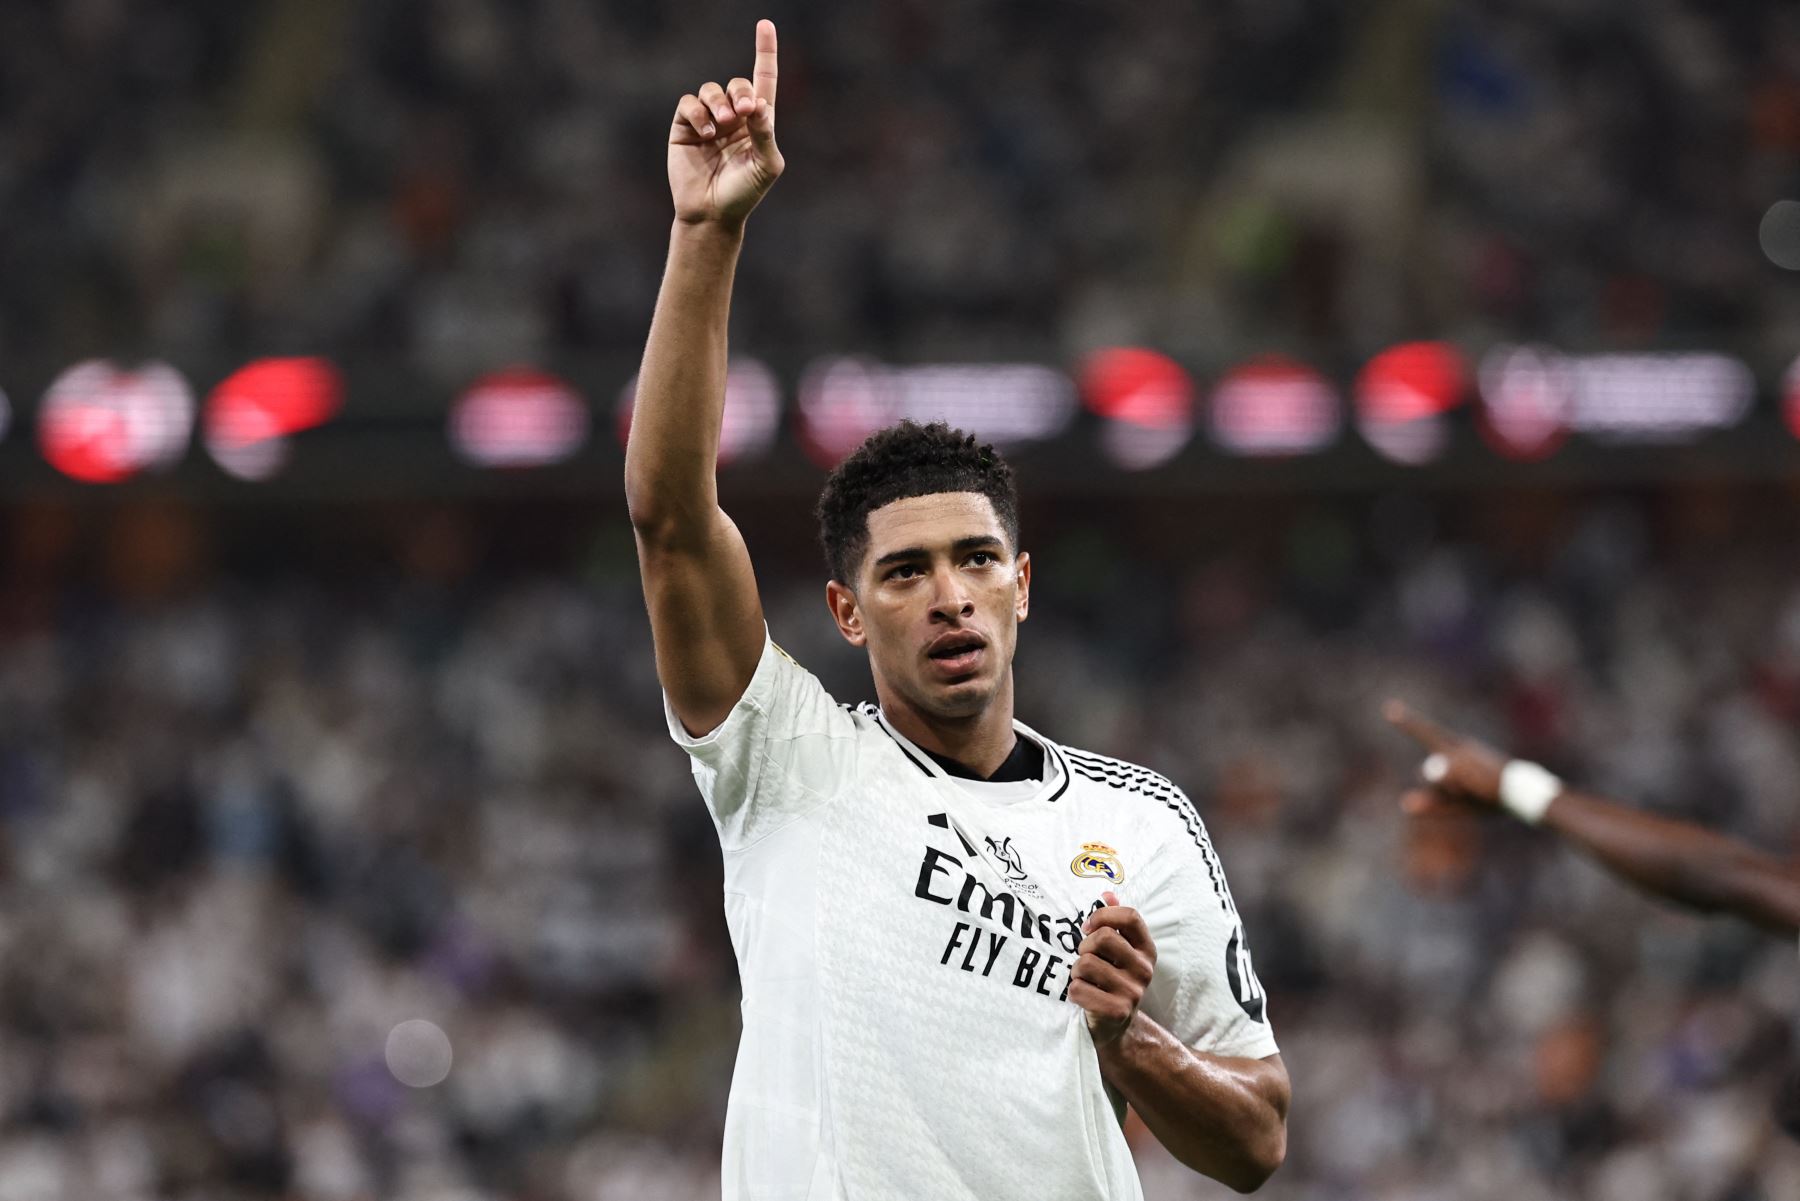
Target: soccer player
[(963, 946), (1683, 862)]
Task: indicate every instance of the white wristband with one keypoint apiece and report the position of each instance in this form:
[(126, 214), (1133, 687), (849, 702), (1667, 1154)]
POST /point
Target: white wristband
[(1526, 790)]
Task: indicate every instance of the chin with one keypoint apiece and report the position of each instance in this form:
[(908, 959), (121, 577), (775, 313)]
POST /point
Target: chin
[(966, 698)]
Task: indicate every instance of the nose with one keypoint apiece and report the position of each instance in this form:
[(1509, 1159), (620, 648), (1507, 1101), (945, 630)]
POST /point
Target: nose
[(950, 600)]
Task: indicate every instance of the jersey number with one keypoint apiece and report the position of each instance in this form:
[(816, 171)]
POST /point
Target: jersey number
[(1244, 985)]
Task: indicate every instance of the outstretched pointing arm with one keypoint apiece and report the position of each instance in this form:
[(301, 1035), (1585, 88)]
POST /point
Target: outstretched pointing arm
[(1686, 863), (704, 611)]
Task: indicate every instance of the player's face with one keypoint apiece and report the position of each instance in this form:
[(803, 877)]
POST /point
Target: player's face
[(938, 601)]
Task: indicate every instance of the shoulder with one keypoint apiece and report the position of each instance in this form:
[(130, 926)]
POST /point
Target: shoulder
[(1163, 801), (864, 720), (1115, 773), (1167, 813)]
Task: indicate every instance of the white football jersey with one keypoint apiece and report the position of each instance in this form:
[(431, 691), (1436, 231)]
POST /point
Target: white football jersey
[(904, 941)]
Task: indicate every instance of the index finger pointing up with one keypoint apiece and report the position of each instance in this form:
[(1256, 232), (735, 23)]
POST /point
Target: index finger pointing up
[(765, 74), (1428, 732)]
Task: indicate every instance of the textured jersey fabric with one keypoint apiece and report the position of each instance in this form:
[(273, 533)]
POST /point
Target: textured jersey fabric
[(904, 943)]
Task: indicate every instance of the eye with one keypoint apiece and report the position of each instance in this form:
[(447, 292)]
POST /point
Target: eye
[(904, 571), (984, 558)]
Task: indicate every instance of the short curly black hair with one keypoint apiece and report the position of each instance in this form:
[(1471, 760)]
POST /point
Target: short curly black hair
[(903, 461)]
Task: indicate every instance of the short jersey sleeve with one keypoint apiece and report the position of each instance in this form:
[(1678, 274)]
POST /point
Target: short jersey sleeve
[(784, 749), (1204, 989)]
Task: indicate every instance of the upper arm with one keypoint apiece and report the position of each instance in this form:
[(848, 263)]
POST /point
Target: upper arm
[(784, 749), (1204, 989), (705, 617)]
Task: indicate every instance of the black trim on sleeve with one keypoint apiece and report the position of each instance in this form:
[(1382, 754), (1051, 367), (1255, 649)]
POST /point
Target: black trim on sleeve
[(1128, 777)]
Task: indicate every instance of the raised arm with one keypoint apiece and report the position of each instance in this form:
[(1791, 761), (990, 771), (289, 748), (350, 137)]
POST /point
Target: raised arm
[(1686, 863), (705, 615)]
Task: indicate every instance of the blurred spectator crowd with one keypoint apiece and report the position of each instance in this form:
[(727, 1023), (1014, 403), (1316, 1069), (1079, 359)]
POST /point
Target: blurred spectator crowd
[(468, 182), (249, 828)]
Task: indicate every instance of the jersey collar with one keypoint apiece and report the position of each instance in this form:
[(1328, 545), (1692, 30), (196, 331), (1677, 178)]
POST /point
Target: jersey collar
[(1025, 762), (1056, 771)]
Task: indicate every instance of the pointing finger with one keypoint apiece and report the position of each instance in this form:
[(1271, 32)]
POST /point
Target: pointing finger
[(1419, 726), (762, 131), (765, 72)]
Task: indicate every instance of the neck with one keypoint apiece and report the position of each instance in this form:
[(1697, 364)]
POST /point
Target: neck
[(980, 742)]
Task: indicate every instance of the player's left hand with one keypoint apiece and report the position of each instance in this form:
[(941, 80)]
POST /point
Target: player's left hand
[(1112, 969)]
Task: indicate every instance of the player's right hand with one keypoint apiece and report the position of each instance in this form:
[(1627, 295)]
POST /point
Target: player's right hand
[(1456, 770), (722, 154)]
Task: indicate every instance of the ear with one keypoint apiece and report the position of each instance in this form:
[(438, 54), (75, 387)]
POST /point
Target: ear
[(1022, 573), (842, 603)]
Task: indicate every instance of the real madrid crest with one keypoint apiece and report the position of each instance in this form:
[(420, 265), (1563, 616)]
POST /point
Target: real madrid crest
[(1098, 859)]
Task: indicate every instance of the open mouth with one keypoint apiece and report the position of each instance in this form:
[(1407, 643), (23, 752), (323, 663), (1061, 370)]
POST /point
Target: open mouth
[(957, 653)]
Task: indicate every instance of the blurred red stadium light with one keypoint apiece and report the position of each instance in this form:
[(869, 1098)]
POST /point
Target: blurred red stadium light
[(752, 410), (1274, 405), (101, 424), (1790, 400), (1402, 395), (518, 417), (844, 400), (249, 416), (1147, 399), (1527, 397)]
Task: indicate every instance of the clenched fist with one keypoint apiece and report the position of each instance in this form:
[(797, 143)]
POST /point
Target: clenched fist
[(1112, 969), (722, 153)]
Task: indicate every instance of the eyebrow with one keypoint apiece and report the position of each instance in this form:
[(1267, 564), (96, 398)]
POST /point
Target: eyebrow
[(914, 553)]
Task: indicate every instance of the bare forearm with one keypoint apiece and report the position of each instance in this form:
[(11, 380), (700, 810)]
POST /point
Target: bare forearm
[(1221, 1116), (672, 458), (705, 616), (1683, 862)]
